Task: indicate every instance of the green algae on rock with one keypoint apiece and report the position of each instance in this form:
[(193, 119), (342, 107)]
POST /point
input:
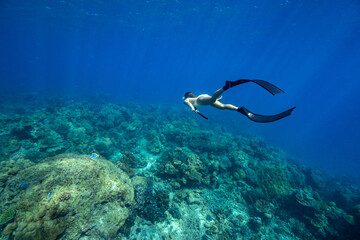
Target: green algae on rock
[(86, 194), (8, 215)]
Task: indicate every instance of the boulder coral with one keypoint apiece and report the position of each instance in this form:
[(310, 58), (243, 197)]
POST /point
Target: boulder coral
[(68, 196), (274, 182)]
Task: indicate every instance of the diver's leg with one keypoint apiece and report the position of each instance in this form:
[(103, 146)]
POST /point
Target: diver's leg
[(216, 95), (208, 100), (222, 106), (264, 119)]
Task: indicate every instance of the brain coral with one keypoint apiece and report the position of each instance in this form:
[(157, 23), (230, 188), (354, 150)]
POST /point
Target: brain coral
[(88, 197)]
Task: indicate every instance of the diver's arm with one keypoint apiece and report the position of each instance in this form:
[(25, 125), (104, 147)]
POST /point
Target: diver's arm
[(187, 102)]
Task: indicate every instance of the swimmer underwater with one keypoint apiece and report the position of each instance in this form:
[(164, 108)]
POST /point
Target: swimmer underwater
[(194, 101)]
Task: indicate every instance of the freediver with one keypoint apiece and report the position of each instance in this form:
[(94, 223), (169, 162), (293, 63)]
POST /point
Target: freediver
[(194, 101)]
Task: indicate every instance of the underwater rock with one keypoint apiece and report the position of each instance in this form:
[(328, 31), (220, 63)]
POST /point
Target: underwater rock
[(255, 223), (193, 197), (129, 159), (264, 207), (9, 228), (78, 135), (64, 196), (104, 146), (274, 182), (84, 191), (3, 179), (300, 230), (350, 219), (9, 169), (9, 144), (355, 220), (316, 179), (192, 226), (240, 158), (356, 210), (61, 126), (183, 166), (251, 176), (175, 212), (22, 132), (127, 163), (322, 218), (296, 175), (151, 201), (305, 198), (319, 221), (170, 169), (8, 215), (239, 174)]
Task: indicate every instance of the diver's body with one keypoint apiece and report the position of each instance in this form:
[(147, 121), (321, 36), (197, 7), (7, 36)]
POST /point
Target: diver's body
[(205, 99), (194, 101)]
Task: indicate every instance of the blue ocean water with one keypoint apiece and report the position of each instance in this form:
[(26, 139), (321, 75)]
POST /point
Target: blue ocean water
[(154, 51), (96, 143)]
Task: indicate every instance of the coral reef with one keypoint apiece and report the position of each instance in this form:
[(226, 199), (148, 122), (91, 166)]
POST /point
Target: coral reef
[(72, 169)]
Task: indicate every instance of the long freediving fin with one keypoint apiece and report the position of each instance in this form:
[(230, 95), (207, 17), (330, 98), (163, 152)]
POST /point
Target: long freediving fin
[(264, 119), (266, 85)]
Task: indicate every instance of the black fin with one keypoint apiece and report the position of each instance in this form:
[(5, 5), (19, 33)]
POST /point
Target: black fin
[(268, 86), (264, 119), (230, 84)]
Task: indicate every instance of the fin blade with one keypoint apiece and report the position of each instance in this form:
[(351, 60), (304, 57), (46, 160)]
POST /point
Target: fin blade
[(262, 118), (268, 86)]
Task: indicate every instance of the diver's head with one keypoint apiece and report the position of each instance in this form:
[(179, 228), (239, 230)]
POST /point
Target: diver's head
[(189, 95)]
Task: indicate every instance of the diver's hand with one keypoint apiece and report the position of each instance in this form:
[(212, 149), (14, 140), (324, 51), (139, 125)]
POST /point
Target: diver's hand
[(196, 111)]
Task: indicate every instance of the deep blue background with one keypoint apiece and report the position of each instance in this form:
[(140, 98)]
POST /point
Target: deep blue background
[(154, 51)]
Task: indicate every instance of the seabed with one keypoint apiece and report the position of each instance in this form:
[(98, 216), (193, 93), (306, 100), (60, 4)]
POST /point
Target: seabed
[(73, 169)]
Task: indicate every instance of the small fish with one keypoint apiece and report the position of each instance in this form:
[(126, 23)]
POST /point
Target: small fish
[(94, 155), (49, 195)]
